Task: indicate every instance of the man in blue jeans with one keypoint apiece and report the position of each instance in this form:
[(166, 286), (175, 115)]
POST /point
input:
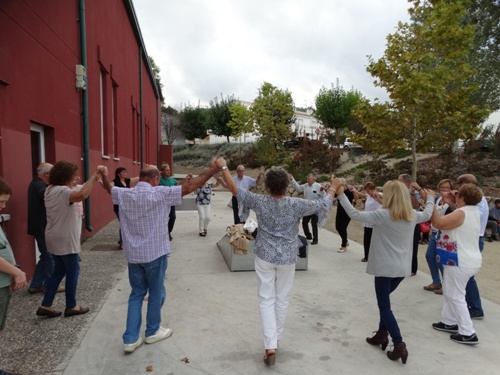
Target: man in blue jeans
[(144, 215)]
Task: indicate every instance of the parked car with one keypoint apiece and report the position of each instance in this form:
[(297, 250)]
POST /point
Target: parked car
[(349, 144), (296, 142)]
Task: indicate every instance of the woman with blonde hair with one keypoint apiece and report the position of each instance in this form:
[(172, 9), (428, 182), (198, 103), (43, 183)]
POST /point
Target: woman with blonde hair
[(390, 253)]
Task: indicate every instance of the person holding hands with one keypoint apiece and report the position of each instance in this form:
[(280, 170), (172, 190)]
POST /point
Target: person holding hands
[(144, 215), (62, 234), (390, 253), (276, 246)]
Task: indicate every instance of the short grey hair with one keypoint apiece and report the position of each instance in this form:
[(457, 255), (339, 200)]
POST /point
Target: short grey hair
[(43, 168), (405, 177)]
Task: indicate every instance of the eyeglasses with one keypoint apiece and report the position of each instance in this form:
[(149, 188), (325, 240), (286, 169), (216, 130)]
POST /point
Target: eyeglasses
[(445, 188)]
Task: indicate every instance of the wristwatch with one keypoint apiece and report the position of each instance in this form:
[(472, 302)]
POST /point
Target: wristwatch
[(223, 167)]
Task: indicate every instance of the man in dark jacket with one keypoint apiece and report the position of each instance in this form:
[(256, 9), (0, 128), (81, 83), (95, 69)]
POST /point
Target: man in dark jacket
[(37, 220)]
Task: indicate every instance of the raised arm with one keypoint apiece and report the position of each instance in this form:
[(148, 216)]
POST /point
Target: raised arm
[(84, 192), (219, 181), (192, 184), (450, 221), (231, 185), (107, 184)]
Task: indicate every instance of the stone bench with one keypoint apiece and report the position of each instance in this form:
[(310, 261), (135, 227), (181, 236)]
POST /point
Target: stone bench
[(246, 262)]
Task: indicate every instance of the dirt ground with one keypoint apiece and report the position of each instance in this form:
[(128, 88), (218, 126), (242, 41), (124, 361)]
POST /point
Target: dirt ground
[(488, 277)]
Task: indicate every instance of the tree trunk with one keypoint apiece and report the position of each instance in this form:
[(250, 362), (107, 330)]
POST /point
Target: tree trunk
[(414, 150)]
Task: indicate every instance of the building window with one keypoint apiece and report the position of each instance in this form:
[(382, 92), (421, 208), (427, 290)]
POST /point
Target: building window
[(146, 141), (134, 134), (104, 114), (114, 119)]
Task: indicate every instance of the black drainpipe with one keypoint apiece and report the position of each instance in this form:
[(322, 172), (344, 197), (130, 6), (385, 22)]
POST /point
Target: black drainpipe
[(85, 111)]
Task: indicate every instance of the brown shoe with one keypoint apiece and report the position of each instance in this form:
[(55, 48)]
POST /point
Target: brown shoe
[(78, 310), (35, 290), (433, 287), (48, 313)]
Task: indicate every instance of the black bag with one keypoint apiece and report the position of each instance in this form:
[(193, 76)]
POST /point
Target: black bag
[(303, 247)]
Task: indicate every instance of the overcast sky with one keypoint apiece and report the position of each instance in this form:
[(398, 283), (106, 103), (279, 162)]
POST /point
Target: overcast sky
[(208, 48)]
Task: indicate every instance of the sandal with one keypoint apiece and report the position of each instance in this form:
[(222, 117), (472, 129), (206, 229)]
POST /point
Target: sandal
[(342, 250), (270, 357)]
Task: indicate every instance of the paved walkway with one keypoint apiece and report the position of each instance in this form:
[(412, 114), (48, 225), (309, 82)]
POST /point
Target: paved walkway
[(213, 313)]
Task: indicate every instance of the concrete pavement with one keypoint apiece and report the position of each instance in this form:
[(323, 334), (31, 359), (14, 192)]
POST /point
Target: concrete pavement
[(214, 316)]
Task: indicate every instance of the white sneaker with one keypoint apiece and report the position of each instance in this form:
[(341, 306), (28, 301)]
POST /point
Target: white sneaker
[(161, 334), (129, 348)]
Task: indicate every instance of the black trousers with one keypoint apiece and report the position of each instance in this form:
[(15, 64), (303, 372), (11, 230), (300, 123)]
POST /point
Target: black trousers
[(314, 223), (367, 239), (341, 223), (234, 202), (416, 239), (171, 220)]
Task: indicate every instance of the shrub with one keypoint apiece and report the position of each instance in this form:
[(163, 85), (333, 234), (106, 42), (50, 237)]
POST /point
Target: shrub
[(314, 157), (266, 154)]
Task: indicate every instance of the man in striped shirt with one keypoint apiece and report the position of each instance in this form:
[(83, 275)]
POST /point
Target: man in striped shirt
[(144, 212)]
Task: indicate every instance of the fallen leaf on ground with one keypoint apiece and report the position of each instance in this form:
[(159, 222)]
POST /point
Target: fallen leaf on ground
[(149, 368), (185, 360)]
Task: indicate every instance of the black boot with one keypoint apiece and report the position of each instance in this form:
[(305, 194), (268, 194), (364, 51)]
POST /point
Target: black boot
[(379, 338), (399, 351)]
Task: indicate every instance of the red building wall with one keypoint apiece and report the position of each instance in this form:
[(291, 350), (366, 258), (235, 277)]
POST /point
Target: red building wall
[(39, 48)]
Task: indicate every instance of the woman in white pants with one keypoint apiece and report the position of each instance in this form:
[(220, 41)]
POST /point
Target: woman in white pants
[(276, 246), (458, 250), (203, 200)]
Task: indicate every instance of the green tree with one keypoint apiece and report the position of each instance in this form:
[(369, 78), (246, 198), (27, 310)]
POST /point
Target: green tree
[(156, 73), (484, 15), (425, 70), (219, 116), (334, 107), (273, 114), (193, 121), (241, 120)]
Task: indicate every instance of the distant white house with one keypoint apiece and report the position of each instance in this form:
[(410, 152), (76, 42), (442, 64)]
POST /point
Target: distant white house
[(305, 125)]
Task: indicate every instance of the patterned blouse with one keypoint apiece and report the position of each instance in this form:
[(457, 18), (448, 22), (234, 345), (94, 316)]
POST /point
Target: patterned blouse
[(277, 239), (204, 195)]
